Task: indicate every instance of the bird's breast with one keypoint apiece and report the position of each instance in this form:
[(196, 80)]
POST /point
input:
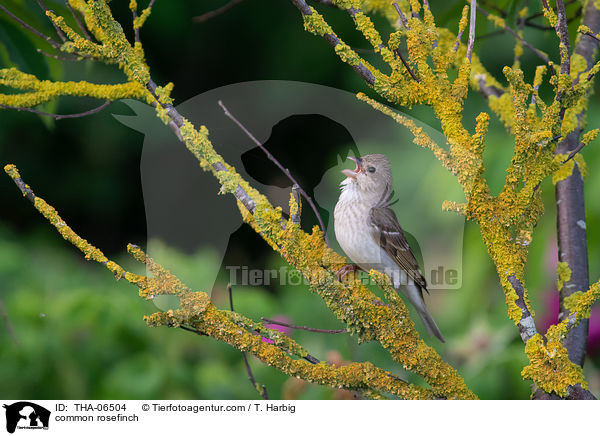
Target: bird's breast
[(353, 233)]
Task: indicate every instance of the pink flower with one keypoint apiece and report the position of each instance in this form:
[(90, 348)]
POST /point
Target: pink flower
[(283, 329)]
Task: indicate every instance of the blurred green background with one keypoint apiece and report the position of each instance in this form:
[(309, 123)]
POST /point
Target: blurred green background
[(79, 334)]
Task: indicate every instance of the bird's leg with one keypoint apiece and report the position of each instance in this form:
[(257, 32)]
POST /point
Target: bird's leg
[(352, 267), (343, 271)]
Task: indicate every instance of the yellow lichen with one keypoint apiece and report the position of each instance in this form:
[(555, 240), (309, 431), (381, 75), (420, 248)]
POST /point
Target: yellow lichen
[(566, 169), (506, 220), (563, 272), (550, 367)]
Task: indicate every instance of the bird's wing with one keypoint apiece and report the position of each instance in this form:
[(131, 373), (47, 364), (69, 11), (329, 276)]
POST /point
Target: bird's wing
[(389, 235)]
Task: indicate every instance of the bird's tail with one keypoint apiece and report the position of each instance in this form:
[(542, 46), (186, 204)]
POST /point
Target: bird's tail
[(430, 325), (415, 295)]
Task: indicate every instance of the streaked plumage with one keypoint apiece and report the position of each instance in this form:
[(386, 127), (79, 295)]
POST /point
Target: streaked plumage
[(368, 231)]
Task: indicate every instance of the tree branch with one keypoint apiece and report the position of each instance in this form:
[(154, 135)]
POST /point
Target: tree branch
[(308, 329), (410, 71), (261, 389), (205, 319), (543, 56), (400, 14), (570, 205), (215, 12), (526, 325), (58, 116), (471, 40), (26, 26), (562, 29), (283, 170), (78, 21), (59, 31), (334, 41)]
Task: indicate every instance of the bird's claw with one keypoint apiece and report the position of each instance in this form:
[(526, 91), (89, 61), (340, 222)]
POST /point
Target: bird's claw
[(343, 271)]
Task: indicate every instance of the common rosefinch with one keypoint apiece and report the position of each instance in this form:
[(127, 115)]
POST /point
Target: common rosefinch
[(368, 231)]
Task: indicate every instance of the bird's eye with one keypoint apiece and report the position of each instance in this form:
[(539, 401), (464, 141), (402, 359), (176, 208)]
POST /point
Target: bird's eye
[(371, 169)]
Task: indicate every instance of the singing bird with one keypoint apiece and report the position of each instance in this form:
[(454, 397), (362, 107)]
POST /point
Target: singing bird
[(368, 231)]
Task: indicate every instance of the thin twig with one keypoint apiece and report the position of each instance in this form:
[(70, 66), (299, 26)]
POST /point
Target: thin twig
[(413, 13), (588, 33), (78, 21), (284, 170), (326, 2), (136, 30), (546, 27), (562, 29), (472, 29), (216, 12), (543, 56), (395, 377), (574, 152), (410, 71), (521, 27), (490, 34), (57, 56), (334, 42), (540, 14), (501, 11), (400, 14), (458, 39), (58, 116), (263, 391), (308, 329), (487, 91), (295, 218), (59, 31), (23, 24), (539, 26), (176, 123), (188, 329), (9, 327)]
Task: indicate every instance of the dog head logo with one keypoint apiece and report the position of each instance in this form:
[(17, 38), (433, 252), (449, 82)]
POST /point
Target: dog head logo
[(26, 415), (183, 210)]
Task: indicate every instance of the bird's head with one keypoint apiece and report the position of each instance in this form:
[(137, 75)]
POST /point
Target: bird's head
[(372, 175)]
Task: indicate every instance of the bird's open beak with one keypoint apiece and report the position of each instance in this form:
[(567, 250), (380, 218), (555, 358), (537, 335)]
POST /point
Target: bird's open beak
[(352, 173)]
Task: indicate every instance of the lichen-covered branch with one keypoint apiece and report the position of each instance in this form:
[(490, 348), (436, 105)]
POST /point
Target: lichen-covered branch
[(422, 77), (507, 220), (198, 312), (569, 191), (32, 91), (351, 302)]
